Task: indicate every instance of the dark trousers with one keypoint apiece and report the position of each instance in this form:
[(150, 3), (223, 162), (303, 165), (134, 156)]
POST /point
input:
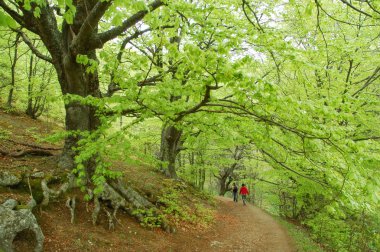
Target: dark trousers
[(235, 196), (244, 198)]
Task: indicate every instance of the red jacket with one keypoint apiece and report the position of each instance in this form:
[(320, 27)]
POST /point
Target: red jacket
[(243, 191)]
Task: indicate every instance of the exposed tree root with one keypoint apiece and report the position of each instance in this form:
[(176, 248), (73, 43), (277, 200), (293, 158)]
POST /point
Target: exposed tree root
[(115, 195), (33, 145), (70, 203), (127, 199), (50, 193), (96, 210), (111, 224), (22, 153), (4, 153)]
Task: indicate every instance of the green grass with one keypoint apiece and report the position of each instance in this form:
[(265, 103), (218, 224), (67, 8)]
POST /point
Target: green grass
[(301, 238)]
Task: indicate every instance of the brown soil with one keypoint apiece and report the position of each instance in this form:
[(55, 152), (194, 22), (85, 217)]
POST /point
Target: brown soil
[(236, 227), (248, 228)]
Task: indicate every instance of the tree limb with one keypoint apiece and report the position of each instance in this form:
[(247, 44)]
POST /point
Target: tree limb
[(290, 169), (17, 17), (89, 25), (102, 38), (355, 8), (339, 20), (269, 182), (114, 87), (203, 102), (371, 6), (367, 138), (369, 81), (33, 48)]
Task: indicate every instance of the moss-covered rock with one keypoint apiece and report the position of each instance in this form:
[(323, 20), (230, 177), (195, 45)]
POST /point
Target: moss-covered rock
[(9, 179)]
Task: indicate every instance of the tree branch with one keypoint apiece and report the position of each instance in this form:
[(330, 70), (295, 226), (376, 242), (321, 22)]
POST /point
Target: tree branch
[(367, 138), (371, 79), (355, 8), (371, 6), (260, 28), (114, 87), (339, 20), (205, 99), (89, 25), (245, 111), (290, 169), (33, 48), (269, 182), (17, 17), (102, 38)]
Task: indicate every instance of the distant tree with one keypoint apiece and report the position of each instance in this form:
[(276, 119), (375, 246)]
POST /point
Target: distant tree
[(226, 173), (39, 77), (13, 58)]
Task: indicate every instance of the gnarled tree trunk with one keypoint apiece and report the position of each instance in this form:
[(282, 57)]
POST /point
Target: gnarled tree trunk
[(79, 117), (72, 76), (224, 184), (170, 147)]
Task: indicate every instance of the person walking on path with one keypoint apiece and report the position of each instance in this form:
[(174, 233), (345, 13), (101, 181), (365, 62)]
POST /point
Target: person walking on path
[(235, 192), (244, 192)]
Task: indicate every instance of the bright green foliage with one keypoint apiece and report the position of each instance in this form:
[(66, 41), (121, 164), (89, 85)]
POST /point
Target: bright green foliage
[(293, 83), (174, 209), (150, 219), (302, 241), (36, 83), (6, 21), (4, 134)]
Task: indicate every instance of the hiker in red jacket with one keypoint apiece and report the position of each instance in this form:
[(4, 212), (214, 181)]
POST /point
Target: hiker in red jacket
[(243, 192)]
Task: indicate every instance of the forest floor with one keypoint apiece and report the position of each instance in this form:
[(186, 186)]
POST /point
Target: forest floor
[(235, 227)]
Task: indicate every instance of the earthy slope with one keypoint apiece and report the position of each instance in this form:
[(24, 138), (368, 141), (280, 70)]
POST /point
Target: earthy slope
[(235, 228)]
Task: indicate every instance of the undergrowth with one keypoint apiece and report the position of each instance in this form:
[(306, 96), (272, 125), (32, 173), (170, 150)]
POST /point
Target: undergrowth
[(302, 240), (4, 134), (178, 204)]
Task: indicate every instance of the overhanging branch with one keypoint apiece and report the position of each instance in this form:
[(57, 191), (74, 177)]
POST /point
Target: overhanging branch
[(205, 99), (290, 169), (102, 38), (355, 8), (33, 48), (369, 81), (17, 17)]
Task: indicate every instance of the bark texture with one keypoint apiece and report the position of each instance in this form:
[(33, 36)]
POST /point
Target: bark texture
[(170, 147)]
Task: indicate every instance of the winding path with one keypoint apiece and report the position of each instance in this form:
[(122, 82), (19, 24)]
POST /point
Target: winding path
[(247, 228)]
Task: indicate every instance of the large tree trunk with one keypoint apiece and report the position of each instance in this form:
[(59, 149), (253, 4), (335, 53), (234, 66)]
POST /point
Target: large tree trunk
[(170, 146), (79, 117), (75, 80)]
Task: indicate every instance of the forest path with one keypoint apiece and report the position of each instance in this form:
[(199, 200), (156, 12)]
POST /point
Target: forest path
[(247, 228)]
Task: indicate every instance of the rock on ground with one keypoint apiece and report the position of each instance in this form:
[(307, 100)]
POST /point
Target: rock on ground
[(13, 222)]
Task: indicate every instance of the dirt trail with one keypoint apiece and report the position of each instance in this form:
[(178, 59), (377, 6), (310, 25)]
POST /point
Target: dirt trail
[(247, 228), (237, 227)]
